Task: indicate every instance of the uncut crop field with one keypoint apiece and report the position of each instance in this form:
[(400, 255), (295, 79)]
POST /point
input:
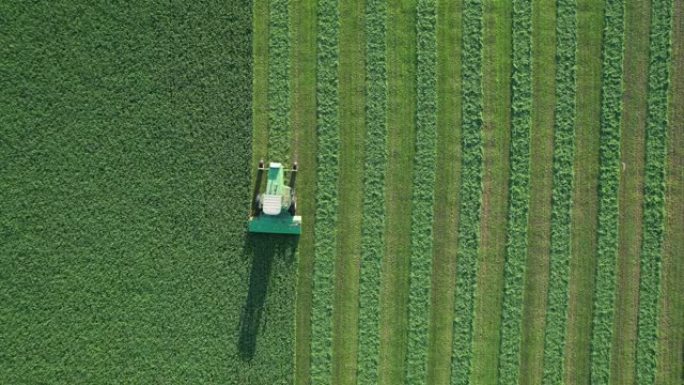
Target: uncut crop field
[(490, 188), (491, 192)]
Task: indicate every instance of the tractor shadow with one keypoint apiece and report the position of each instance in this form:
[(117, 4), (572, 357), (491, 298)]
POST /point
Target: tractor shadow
[(263, 249)]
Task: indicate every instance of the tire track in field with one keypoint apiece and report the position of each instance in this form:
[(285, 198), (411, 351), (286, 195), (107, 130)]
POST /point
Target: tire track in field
[(303, 117), (631, 190), (671, 319), (279, 130), (585, 192), (541, 177), (350, 209), (447, 180), (401, 115)]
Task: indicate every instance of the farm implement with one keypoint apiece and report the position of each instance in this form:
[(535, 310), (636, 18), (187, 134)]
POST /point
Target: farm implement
[(273, 211)]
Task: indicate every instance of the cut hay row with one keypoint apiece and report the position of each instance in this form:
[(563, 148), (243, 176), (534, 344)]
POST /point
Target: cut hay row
[(516, 248), (326, 192), (260, 77), (563, 155), (375, 163), (279, 135), (609, 178), (654, 190), (471, 189), (423, 194)]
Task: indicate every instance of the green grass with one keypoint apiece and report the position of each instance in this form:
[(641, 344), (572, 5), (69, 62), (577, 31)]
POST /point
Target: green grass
[(401, 115), (126, 168), (631, 190), (671, 318), (496, 76), (303, 119), (562, 199), (516, 244), (260, 106), (447, 179), (609, 178), (470, 194), (375, 164), (584, 197), (279, 130), (654, 190), (539, 227), (326, 191), (352, 133), (423, 196)]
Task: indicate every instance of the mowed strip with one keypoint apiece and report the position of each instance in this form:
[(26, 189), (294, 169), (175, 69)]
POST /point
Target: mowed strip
[(654, 190), (303, 119), (279, 134), (631, 190), (327, 175), (375, 165), (352, 132), (609, 179), (423, 194), (401, 116), (260, 39), (447, 180), (671, 318), (519, 201), (470, 194), (562, 199), (584, 197), (541, 168), (496, 79)]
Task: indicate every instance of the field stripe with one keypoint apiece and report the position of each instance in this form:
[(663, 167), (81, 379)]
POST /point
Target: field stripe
[(631, 190), (654, 190), (279, 135), (516, 244), (671, 319), (352, 132), (447, 178), (423, 194), (496, 76), (585, 196), (326, 191), (539, 227), (471, 189), (401, 81), (564, 132), (375, 164), (303, 116), (609, 179), (260, 39)]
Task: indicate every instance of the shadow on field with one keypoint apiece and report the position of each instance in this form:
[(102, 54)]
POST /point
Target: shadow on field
[(263, 249)]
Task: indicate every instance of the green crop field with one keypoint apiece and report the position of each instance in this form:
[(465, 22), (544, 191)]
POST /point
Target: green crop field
[(491, 192)]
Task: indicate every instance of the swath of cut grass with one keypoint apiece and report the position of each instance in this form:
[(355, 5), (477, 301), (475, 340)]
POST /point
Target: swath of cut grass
[(326, 192), (609, 179), (279, 135), (471, 189)]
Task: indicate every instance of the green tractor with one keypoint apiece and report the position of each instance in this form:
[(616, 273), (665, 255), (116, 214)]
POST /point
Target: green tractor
[(273, 211)]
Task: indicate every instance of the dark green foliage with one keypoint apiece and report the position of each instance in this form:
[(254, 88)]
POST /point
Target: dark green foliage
[(374, 192), (516, 247), (654, 190), (124, 183), (563, 154), (471, 192), (326, 192), (279, 83), (609, 179), (423, 193)]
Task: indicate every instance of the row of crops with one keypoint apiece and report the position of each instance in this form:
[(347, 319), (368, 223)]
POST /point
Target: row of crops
[(375, 352)]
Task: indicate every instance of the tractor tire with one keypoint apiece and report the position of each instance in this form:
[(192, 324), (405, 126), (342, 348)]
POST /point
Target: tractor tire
[(293, 206)]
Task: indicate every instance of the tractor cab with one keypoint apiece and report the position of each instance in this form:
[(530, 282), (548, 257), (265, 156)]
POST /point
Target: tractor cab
[(273, 210)]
